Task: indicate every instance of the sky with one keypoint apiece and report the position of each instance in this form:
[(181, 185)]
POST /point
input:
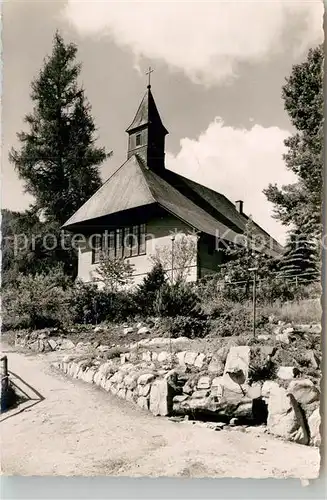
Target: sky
[(219, 70)]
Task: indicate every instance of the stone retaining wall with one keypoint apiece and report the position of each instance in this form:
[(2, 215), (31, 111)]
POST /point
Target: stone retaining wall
[(194, 383), (187, 389)]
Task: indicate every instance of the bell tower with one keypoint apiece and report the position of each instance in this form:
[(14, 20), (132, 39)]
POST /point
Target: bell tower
[(147, 133)]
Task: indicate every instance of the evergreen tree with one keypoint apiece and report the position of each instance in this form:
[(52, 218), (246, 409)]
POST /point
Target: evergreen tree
[(299, 259), (298, 205), (146, 292), (58, 159)]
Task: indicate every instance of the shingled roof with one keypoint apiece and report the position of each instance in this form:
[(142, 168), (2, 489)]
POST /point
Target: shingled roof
[(133, 185), (147, 113)]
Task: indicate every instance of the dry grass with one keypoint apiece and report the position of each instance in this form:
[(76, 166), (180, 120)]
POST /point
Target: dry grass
[(301, 312)]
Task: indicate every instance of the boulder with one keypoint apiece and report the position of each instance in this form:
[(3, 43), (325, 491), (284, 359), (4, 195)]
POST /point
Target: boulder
[(106, 368), (143, 402), (128, 330), (179, 399), (130, 381), (103, 348), (201, 393), (268, 385), (237, 363), (117, 378), (285, 418), (145, 378), (144, 390), (313, 328), (181, 358), (98, 378), (66, 344), (263, 336), (199, 361), (312, 358), (314, 422), (216, 366), (283, 337), (161, 398), (88, 375), (204, 383), (147, 355), (143, 330), (53, 344), (163, 356), (187, 389), (129, 396), (121, 393), (304, 391), (98, 329), (190, 357), (287, 372)]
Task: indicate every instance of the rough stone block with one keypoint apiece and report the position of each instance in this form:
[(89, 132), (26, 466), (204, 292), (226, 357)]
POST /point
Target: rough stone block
[(190, 357), (283, 337), (121, 393), (87, 375), (160, 398), (216, 366), (144, 390), (181, 357), (143, 402), (237, 363), (287, 372), (145, 378), (163, 356), (200, 360), (284, 416), (143, 330), (314, 422), (53, 344), (204, 383), (130, 381), (304, 391)]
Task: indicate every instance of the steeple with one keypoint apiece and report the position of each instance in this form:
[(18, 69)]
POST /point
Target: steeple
[(147, 134)]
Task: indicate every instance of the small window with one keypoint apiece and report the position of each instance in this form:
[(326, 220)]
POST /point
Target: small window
[(142, 240), (138, 140), (96, 248)]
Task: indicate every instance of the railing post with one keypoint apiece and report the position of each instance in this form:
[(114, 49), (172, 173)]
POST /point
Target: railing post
[(4, 374)]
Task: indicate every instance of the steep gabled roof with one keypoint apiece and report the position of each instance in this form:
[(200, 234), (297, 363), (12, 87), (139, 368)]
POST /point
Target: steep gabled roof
[(126, 188), (134, 185), (147, 113)]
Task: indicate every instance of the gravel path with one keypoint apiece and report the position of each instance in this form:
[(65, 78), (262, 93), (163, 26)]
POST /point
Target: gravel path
[(78, 429)]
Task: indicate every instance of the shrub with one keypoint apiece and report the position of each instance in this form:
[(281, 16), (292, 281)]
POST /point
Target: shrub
[(36, 302), (92, 305), (114, 273), (233, 322), (146, 292), (178, 299), (187, 326)]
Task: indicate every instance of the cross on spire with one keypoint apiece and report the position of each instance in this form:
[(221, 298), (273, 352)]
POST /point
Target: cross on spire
[(150, 70)]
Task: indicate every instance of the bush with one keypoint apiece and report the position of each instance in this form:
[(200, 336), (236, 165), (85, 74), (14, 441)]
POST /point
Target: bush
[(92, 305), (186, 326), (177, 300), (35, 302), (233, 322), (146, 292)]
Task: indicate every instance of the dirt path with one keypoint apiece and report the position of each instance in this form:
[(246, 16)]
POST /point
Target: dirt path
[(78, 429)]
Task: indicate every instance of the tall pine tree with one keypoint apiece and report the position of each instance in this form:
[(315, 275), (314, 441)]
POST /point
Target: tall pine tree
[(58, 159), (298, 205)]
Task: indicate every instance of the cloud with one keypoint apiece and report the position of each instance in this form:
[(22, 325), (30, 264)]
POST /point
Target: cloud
[(206, 40), (238, 163)]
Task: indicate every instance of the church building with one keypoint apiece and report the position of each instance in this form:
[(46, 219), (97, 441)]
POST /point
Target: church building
[(142, 206)]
